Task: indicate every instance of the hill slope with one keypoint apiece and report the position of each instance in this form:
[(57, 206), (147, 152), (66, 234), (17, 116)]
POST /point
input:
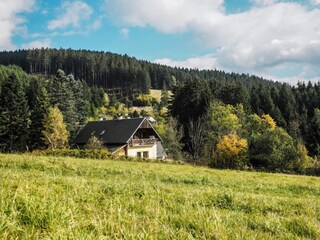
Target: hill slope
[(47, 197), (113, 71)]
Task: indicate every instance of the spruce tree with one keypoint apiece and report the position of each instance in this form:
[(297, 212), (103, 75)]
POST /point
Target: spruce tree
[(39, 104), (81, 103), (164, 96), (61, 96), (14, 115)]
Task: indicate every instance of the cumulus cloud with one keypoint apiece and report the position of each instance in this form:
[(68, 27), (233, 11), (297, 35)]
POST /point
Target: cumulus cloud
[(269, 34), (263, 2), (46, 43), (167, 16), (201, 63), (11, 21), (315, 2), (72, 14)]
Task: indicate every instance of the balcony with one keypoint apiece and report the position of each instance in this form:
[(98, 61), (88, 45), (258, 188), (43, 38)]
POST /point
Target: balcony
[(143, 142)]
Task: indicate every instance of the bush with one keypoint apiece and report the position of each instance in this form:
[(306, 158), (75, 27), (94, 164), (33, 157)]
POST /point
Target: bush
[(96, 154), (144, 100), (273, 150), (231, 152), (94, 143), (304, 162), (314, 168)]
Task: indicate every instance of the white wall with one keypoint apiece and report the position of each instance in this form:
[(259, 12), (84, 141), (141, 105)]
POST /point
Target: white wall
[(132, 151)]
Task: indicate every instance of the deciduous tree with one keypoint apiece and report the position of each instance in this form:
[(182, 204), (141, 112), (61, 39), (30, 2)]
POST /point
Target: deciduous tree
[(55, 131), (231, 152)]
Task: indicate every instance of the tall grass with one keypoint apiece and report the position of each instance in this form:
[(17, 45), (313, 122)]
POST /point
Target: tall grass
[(66, 198)]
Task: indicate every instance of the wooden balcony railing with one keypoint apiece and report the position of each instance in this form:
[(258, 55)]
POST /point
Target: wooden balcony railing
[(143, 142)]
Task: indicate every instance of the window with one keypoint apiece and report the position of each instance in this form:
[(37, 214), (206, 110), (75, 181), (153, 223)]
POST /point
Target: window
[(145, 154), (103, 132)]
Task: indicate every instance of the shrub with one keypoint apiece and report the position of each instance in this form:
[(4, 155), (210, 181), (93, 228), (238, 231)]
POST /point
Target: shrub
[(144, 100), (231, 152), (94, 143), (273, 150), (96, 154), (304, 161)]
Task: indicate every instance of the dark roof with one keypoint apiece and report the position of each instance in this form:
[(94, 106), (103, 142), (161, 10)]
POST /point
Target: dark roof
[(110, 131), (114, 148)]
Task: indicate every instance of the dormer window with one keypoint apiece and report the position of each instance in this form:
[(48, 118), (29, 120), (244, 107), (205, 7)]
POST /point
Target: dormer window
[(103, 132)]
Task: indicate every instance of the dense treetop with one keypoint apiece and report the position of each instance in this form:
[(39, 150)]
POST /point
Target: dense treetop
[(113, 71)]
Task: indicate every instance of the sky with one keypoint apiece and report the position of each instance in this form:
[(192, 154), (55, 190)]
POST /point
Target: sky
[(275, 39)]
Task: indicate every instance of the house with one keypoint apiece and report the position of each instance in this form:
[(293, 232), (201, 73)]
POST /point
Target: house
[(133, 137)]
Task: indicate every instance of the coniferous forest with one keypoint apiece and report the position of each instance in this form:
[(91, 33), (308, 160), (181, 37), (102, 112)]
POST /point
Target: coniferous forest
[(208, 111)]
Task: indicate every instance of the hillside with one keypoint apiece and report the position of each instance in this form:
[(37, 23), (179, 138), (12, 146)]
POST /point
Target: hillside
[(125, 78), (121, 73), (59, 198)]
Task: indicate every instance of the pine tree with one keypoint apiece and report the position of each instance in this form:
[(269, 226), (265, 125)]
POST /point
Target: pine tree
[(39, 104), (171, 137), (164, 96), (14, 115), (55, 131), (81, 103), (62, 96), (144, 81)]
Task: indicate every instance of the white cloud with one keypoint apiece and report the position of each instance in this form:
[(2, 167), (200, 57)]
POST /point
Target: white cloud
[(257, 40), (124, 33), (267, 36), (73, 13), (315, 2), (10, 21), (97, 23), (263, 2), (201, 63), (46, 43), (165, 15)]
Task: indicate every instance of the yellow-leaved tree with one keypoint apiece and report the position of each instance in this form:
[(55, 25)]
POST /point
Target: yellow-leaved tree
[(268, 122), (55, 131), (231, 152)]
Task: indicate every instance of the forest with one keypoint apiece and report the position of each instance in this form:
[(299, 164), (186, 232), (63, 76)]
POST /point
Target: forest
[(224, 120)]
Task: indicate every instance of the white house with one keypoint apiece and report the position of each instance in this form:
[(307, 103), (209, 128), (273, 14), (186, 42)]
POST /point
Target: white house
[(133, 137)]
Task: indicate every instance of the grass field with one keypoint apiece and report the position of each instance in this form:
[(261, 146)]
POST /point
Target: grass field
[(65, 198)]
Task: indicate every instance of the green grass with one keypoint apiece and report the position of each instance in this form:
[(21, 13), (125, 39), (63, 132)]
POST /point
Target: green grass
[(66, 198)]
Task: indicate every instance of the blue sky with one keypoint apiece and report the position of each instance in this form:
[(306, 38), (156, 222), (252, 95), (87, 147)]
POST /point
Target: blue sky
[(276, 39)]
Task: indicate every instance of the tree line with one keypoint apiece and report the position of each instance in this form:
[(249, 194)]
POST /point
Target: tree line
[(265, 126), (32, 107), (121, 73)]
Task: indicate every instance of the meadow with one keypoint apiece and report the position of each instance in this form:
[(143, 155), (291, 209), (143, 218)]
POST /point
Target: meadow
[(67, 198)]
